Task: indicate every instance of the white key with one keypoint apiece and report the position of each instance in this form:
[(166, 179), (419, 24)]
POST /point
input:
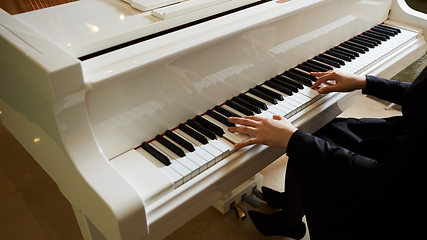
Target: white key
[(233, 110), (222, 145), (274, 109), (311, 93), (212, 147), (200, 150), (235, 138), (175, 177), (184, 161), (198, 160), (175, 165)]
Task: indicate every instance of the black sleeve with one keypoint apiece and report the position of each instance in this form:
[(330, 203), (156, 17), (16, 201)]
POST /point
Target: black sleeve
[(389, 90), (403, 172), (337, 162)]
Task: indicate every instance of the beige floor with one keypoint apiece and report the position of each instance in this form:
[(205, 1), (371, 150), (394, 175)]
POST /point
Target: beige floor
[(31, 206)]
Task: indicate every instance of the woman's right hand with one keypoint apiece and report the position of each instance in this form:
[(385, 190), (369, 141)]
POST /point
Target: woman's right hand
[(344, 82)]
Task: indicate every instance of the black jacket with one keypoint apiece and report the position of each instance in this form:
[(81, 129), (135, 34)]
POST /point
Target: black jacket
[(382, 161)]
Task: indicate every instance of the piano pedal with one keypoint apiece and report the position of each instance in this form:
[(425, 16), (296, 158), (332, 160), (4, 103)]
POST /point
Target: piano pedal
[(235, 197), (258, 194), (240, 214), (251, 201)]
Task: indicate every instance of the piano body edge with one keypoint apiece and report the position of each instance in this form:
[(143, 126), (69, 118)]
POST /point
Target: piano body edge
[(44, 108)]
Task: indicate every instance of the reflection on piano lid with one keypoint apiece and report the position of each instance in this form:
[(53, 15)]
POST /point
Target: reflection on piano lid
[(179, 9)]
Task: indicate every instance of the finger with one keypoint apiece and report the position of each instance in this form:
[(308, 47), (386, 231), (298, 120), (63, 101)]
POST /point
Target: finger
[(243, 121), (255, 118), (331, 75), (247, 142), (318, 82), (319, 74), (277, 117), (328, 89), (324, 90), (243, 130)]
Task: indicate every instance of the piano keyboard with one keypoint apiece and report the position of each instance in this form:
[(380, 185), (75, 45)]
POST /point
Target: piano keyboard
[(192, 147)]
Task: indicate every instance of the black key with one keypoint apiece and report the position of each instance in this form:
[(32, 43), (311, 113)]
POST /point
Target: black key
[(373, 35), (282, 89), (178, 151), (363, 43), (247, 105), (384, 31), (397, 30), (337, 55), (326, 61), (390, 32), (220, 118), (317, 68), (205, 131), (375, 42), (306, 68), (199, 137), (351, 47), (320, 64), (346, 54), (269, 92), (239, 108), (284, 84), (356, 54), (181, 141), (254, 101), (225, 112), (378, 33), (306, 75), (370, 39), (210, 125), (366, 49), (263, 96), (158, 155), (339, 61), (297, 77), (289, 81)]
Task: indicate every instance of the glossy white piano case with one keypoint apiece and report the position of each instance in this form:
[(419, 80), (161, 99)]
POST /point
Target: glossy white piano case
[(73, 116)]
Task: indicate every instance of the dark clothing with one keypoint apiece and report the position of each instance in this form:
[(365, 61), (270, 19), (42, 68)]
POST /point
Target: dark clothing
[(366, 178)]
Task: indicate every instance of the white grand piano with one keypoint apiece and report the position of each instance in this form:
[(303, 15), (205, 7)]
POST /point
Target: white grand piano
[(84, 84)]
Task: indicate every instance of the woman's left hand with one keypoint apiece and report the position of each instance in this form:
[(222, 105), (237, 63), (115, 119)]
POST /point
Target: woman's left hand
[(274, 132)]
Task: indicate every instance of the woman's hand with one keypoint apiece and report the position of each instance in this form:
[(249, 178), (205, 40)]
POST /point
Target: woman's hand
[(274, 132), (344, 82)]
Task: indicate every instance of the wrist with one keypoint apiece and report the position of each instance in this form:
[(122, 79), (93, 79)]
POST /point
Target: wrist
[(362, 83), (288, 136)]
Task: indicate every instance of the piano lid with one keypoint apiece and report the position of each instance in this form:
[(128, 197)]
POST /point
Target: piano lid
[(87, 26)]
